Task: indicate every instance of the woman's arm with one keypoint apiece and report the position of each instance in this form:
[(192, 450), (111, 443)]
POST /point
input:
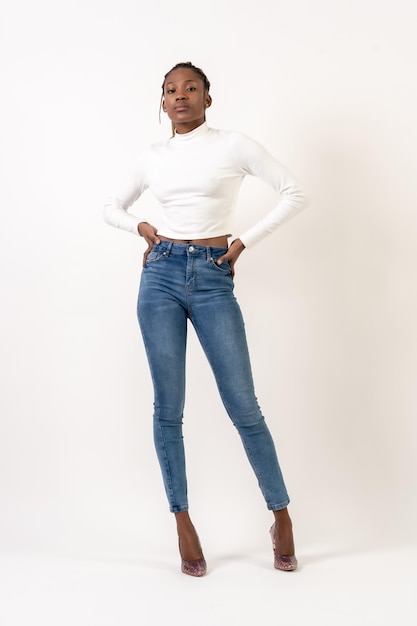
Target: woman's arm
[(257, 161), (116, 206)]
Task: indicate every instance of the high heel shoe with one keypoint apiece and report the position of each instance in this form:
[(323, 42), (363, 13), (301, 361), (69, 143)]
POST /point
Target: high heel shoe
[(196, 567), (282, 562)]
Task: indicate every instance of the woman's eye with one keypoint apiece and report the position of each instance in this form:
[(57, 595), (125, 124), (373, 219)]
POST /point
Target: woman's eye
[(190, 88), (170, 90)]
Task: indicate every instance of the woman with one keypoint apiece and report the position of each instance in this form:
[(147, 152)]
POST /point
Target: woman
[(188, 270)]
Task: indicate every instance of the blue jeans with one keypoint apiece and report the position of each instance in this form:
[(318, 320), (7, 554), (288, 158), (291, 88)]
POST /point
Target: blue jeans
[(182, 282)]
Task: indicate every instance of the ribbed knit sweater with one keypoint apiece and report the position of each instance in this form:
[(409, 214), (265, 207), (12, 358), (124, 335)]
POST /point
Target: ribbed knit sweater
[(196, 177)]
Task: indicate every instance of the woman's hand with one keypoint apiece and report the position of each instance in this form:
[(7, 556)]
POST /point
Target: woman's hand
[(149, 233), (234, 251)]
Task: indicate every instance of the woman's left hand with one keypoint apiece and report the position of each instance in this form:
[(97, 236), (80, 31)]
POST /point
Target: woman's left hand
[(233, 253)]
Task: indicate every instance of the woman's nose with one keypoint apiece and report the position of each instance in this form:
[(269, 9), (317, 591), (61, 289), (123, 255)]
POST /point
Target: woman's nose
[(181, 96)]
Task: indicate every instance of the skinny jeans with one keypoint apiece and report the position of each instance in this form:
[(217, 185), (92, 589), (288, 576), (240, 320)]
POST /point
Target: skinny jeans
[(182, 282)]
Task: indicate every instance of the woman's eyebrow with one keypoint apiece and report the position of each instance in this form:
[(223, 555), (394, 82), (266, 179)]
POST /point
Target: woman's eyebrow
[(189, 80)]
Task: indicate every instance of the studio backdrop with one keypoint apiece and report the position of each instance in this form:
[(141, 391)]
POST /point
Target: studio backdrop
[(329, 299)]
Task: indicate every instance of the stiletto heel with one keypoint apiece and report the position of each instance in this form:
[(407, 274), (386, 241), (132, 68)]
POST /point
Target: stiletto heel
[(196, 567), (282, 562)]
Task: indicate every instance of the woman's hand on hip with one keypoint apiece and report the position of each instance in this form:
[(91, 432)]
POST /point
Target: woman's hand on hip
[(149, 233), (233, 253)]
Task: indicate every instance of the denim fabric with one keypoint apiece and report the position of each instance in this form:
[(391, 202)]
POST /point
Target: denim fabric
[(182, 282)]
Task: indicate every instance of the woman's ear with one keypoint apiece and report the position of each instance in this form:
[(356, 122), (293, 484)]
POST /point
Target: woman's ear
[(163, 106), (207, 101)]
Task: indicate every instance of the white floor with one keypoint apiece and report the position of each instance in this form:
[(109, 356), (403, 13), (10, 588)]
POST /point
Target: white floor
[(335, 589)]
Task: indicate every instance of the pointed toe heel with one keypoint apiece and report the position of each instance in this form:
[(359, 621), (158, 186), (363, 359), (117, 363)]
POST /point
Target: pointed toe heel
[(285, 563), (194, 568), (282, 562)]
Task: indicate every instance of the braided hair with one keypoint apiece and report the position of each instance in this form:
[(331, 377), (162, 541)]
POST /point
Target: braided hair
[(184, 65)]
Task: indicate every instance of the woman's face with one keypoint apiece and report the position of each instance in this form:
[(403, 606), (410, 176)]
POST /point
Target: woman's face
[(185, 99)]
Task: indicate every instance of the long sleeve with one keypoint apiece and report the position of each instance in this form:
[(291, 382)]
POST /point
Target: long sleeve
[(116, 206), (196, 178), (258, 162)]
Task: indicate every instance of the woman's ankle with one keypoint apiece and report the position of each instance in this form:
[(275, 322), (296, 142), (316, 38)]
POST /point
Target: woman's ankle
[(188, 541), (284, 539)]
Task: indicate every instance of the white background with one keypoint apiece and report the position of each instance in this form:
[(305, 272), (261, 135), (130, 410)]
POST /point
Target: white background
[(330, 300)]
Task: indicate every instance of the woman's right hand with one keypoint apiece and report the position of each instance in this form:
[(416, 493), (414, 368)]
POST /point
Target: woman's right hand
[(149, 233)]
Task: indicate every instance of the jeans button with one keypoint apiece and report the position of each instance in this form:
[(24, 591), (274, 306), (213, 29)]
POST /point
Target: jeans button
[(191, 249)]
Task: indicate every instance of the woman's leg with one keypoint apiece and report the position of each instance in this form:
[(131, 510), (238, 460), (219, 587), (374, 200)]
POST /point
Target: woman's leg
[(189, 544), (163, 323), (222, 335), (168, 378), (219, 325), (284, 540)]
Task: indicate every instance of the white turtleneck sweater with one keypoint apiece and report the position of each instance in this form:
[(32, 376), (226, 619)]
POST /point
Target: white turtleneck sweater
[(196, 177)]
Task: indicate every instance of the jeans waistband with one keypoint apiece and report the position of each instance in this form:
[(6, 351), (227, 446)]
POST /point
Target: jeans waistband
[(189, 249)]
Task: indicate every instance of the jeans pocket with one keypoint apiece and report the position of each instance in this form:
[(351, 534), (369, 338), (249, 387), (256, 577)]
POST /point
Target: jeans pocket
[(224, 267), (156, 254)]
